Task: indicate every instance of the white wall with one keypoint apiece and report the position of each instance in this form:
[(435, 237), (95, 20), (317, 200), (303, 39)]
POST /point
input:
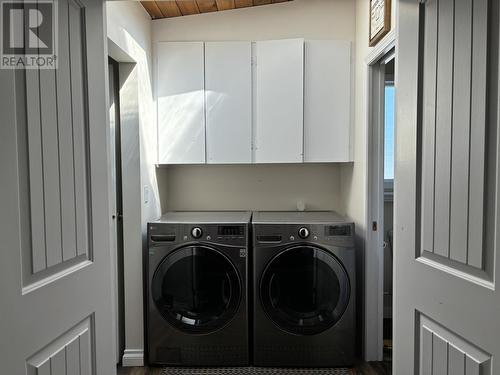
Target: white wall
[(270, 187), (129, 29), (328, 19), (250, 187)]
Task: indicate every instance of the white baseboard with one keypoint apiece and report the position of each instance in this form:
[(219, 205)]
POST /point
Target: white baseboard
[(133, 358)]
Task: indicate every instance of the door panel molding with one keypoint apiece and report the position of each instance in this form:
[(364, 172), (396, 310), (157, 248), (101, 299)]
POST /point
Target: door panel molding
[(70, 353), (457, 269), (53, 153), (444, 352), (458, 127)]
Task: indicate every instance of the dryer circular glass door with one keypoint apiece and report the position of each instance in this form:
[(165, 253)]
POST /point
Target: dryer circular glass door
[(304, 290), (196, 289)]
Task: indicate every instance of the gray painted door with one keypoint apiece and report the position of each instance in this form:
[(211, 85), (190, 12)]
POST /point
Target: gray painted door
[(447, 229), (55, 269)]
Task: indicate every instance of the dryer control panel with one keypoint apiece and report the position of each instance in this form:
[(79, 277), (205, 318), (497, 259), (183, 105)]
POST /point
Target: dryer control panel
[(334, 234)]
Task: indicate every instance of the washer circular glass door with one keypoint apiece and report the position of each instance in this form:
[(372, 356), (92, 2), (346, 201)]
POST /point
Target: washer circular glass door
[(196, 289), (305, 290)]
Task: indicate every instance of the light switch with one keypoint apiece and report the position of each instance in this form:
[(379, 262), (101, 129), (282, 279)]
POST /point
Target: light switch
[(146, 194)]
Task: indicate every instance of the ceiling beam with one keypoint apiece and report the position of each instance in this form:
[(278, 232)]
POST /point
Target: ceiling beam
[(169, 8), (152, 8), (225, 4), (175, 8), (207, 6), (243, 3), (261, 2), (188, 7)]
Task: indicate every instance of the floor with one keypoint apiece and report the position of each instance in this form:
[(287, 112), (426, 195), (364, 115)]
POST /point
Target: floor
[(371, 368)]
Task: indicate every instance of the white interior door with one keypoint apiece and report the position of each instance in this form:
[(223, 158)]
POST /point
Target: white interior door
[(228, 100), (447, 232), (55, 269)]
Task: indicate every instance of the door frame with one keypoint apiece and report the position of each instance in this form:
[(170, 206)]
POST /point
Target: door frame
[(374, 260), (117, 214), (131, 188)]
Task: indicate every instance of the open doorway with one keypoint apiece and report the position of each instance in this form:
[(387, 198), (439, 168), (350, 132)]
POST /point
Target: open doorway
[(388, 206), (126, 200), (380, 218)]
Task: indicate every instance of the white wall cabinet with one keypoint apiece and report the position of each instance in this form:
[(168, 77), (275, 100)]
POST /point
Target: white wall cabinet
[(181, 103), (279, 99), (228, 98), (275, 101), (327, 101)]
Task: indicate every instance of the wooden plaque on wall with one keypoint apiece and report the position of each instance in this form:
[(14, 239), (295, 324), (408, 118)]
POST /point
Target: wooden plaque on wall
[(380, 20)]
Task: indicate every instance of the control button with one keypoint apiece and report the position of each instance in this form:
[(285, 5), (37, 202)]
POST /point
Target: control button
[(196, 232), (292, 238), (303, 232), (315, 238), (209, 238)]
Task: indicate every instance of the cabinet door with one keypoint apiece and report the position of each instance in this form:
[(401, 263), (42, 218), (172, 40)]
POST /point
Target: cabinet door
[(327, 101), (181, 103), (279, 93), (228, 98)]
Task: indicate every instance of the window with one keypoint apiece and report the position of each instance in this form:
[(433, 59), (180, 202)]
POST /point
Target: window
[(389, 141)]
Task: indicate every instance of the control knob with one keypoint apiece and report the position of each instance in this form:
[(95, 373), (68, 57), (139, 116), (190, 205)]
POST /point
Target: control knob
[(196, 232), (303, 232)]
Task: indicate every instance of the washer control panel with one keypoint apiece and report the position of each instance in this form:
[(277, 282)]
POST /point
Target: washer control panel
[(173, 234)]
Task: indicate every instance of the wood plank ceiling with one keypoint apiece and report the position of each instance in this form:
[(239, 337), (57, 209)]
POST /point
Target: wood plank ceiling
[(170, 8)]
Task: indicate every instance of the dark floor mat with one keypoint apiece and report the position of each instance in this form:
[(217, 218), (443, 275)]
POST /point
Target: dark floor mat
[(254, 371)]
